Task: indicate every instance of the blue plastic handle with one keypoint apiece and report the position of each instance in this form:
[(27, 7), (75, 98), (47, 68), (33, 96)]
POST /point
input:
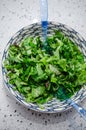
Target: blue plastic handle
[(44, 19), (44, 10), (78, 108)]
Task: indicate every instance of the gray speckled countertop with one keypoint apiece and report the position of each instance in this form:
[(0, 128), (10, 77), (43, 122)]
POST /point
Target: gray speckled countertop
[(15, 14)]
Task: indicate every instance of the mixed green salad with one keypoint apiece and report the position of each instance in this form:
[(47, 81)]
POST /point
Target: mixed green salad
[(40, 76)]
